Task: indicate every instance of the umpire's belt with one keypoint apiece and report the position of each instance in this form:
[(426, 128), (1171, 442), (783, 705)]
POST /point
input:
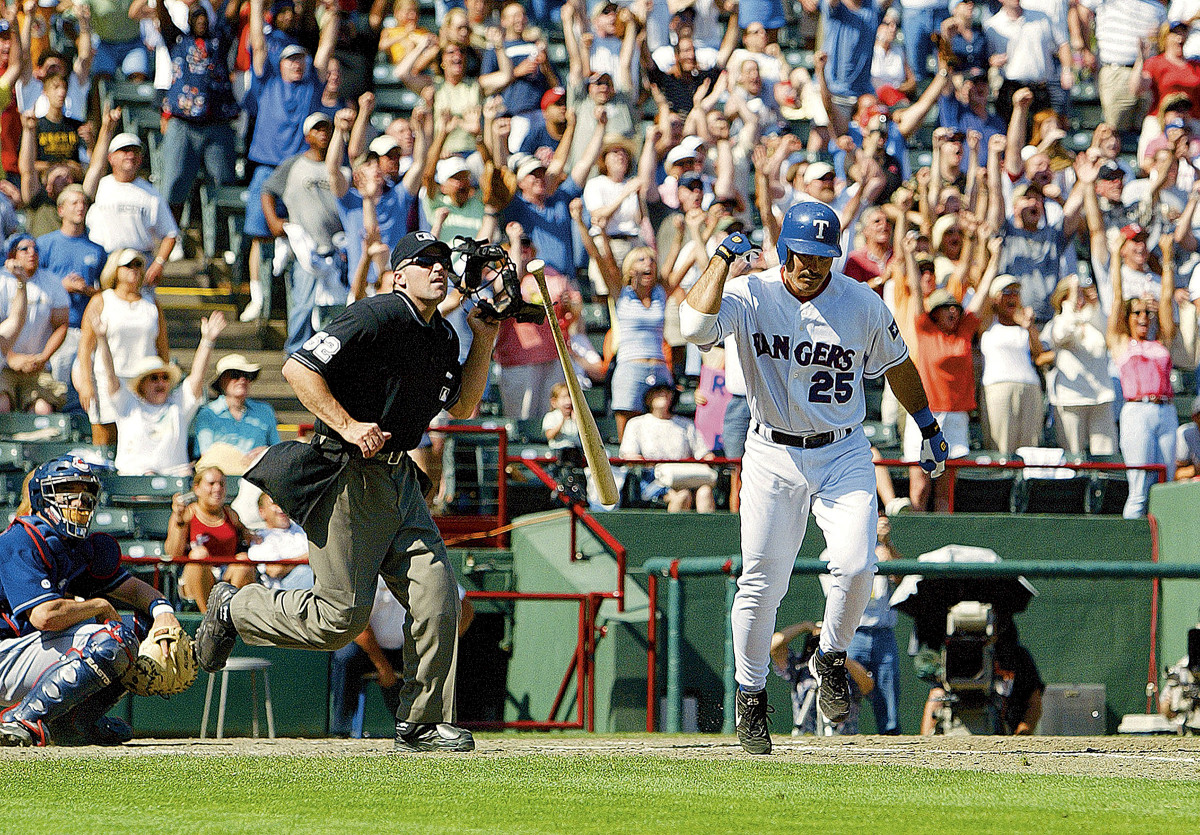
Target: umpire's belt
[(803, 441), (337, 446)]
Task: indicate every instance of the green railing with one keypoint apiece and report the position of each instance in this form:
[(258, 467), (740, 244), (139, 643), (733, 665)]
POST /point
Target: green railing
[(730, 567)]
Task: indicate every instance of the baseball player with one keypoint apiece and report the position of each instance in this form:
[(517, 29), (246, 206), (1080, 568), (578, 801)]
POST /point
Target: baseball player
[(62, 658), (806, 337), (375, 378)]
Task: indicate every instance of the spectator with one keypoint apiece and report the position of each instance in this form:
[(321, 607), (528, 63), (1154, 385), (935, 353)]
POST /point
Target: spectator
[(558, 424), (455, 29), (357, 45), (1021, 46), (603, 93), (57, 134), (543, 140), (525, 351), (1121, 28), (203, 527), (129, 213), (119, 45), (301, 183), (1148, 419), (889, 67), (10, 71), (233, 418), (758, 46), (153, 415), (199, 105), (280, 539), (962, 43), (680, 83), (614, 198), (1185, 11), (76, 261), (791, 664), (406, 35), (660, 434), (446, 183), (965, 109), (532, 75), (608, 52), (26, 383), (284, 90), (850, 27), (1166, 73), (35, 70), (1079, 385), (866, 262), (136, 329)]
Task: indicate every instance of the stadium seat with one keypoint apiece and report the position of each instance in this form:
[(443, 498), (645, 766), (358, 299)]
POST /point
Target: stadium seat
[(22, 426), (142, 490), (117, 522), (38, 452)]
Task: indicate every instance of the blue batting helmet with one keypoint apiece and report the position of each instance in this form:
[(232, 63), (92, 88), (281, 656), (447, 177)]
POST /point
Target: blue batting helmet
[(810, 228), (69, 511)]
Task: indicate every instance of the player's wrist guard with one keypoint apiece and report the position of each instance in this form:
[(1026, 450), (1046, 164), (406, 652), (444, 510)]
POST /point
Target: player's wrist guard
[(926, 422), (734, 245)]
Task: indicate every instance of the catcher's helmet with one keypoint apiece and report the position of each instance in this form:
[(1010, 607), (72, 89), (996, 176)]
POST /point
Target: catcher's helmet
[(69, 511), (810, 228)]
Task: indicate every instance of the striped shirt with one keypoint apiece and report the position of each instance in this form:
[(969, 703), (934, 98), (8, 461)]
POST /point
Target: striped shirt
[(1121, 23)]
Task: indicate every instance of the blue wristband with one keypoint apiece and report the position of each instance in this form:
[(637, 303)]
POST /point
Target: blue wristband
[(924, 418)]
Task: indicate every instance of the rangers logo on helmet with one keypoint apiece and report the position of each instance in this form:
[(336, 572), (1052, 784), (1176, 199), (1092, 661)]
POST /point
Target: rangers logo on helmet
[(810, 228)]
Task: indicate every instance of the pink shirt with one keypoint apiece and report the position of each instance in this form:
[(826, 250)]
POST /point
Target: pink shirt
[(524, 343), (1145, 370)]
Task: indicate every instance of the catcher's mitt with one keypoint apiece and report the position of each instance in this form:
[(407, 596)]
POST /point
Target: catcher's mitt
[(155, 673)]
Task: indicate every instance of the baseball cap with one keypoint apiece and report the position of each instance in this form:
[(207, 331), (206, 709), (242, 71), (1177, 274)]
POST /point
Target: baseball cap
[(383, 145), (940, 298), (691, 181), (678, 154), (314, 119), (553, 96), (1110, 171), (1175, 123), (691, 143), (1133, 231), (124, 140), (16, 238), (1002, 283), (817, 171), (924, 263), (291, 51), (601, 6), (127, 256), (413, 244), (515, 161), (1177, 25), (529, 166), (449, 167)]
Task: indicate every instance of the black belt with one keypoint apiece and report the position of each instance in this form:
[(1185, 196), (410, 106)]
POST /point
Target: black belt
[(803, 441), (338, 446)]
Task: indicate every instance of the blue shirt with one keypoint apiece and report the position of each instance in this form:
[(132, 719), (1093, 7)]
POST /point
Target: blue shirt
[(524, 95), (200, 87), (61, 255), (850, 41), (954, 114), (393, 210), (550, 226), (214, 424), (896, 147), (281, 109), (37, 565), (538, 137)]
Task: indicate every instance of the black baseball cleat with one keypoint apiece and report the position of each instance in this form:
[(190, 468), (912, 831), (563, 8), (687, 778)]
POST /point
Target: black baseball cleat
[(441, 736), (216, 634), (833, 693), (752, 730)]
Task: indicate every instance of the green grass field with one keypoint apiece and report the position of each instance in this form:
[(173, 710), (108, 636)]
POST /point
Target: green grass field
[(564, 794)]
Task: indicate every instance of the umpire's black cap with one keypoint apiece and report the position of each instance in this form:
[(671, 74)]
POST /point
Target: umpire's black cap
[(413, 244)]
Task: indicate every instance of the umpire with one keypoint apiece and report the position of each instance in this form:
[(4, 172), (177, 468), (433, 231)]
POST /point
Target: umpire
[(374, 378)]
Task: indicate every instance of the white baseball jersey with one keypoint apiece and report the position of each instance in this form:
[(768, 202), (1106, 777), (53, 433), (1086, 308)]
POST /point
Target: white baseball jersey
[(805, 361)]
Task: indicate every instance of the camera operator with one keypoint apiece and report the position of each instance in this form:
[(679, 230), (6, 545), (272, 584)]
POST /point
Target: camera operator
[(1016, 683), (1179, 699), (791, 664)]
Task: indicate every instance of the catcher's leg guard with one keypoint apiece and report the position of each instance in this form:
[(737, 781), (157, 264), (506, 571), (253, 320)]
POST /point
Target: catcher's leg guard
[(87, 724), (80, 675)]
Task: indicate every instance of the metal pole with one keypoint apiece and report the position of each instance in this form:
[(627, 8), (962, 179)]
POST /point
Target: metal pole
[(651, 653), (728, 724), (674, 694)]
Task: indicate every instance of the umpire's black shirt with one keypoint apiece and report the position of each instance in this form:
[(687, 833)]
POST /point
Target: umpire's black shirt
[(385, 365)]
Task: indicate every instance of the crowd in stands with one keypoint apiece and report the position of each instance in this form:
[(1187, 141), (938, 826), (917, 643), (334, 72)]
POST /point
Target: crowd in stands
[(1017, 179)]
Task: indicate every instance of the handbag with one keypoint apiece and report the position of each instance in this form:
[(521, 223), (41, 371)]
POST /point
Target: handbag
[(685, 476)]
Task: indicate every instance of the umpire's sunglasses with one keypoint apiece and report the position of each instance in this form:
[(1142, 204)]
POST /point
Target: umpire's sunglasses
[(430, 261)]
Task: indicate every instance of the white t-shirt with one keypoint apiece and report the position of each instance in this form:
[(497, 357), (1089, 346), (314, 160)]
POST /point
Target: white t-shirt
[(887, 66), (29, 94), (655, 438), (154, 439), (1029, 41), (44, 294), (290, 543), (132, 331), (130, 215), (1006, 358), (602, 191)]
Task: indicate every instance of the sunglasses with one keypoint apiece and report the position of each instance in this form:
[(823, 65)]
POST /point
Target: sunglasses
[(428, 262), (241, 375), (1139, 312), (158, 378)]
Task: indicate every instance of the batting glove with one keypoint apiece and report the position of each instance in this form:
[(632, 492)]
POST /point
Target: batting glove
[(934, 450), (735, 245)]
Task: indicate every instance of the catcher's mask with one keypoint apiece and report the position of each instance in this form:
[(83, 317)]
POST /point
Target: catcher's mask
[(65, 493), (490, 278)]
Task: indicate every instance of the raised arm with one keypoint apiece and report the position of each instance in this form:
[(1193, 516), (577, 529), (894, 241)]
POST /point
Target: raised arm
[(210, 328), (1117, 334), (83, 44), (995, 213), (357, 144), (31, 184), (343, 121), (330, 25), (16, 60), (911, 117), (1166, 304), (609, 270), (1013, 164), (99, 162), (587, 159), (496, 81), (106, 374)]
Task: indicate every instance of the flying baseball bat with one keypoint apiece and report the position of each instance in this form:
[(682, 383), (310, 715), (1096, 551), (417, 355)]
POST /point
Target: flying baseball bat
[(589, 433)]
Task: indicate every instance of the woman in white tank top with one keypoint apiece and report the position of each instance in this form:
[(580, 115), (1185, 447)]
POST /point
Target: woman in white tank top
[(136, 330)]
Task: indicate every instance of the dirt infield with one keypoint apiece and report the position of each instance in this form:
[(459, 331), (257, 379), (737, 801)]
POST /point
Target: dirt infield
[(1157, 758)]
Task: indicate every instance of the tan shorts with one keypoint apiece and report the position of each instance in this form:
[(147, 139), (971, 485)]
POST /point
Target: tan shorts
[(25, 389)]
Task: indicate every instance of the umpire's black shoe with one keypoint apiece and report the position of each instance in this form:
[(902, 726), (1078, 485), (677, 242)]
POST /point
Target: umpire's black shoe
[(752, 730), (441, 736), (216, 634), (833, 694)]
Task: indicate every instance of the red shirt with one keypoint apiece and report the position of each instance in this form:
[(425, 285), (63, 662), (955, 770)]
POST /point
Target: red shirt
[(524, 343), (945, 363), (861, 266), (220, 540), (1169, 77)]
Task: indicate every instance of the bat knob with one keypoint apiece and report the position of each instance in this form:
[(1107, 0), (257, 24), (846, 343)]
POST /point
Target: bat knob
[(535, 266)]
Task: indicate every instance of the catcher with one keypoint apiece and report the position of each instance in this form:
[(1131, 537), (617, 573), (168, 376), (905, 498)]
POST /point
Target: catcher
[(65, 656)]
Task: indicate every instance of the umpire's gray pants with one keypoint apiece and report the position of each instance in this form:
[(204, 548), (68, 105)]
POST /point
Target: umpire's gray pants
[(372, 522)]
